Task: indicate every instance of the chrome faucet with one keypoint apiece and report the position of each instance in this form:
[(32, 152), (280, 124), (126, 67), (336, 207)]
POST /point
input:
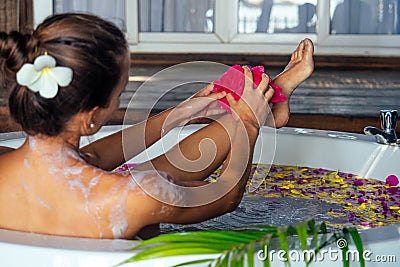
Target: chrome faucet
[(386, 135)]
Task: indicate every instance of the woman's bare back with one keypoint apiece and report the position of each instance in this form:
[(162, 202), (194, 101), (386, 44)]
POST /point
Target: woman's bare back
[(58, 193)]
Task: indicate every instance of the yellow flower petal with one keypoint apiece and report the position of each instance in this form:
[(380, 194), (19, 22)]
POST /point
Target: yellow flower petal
[(363, 206)]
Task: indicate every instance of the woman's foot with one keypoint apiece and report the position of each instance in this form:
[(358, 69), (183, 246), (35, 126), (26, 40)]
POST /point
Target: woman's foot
[(299, 68)]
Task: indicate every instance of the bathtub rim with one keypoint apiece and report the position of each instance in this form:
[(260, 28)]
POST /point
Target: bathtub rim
[(7, 136), (120, 247)]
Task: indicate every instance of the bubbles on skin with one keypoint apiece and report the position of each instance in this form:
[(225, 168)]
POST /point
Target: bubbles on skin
[(68, 167), (39, 200), (118, 220), (24, 184), (63, 167), (160, 186), (26, 164), (156, 184), (77, 183), (43, 203), (74, 171), (164, 210), (117, 217), (32, 142)]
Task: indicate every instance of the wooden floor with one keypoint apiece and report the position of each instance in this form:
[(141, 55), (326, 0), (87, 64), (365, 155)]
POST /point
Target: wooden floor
[(360, 93), (332, 99)]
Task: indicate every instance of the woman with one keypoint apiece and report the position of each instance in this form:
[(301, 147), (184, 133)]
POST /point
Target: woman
[(65, 81)]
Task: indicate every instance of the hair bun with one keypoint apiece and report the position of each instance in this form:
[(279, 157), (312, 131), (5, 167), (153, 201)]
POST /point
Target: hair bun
[(13, 54), (13, 50)]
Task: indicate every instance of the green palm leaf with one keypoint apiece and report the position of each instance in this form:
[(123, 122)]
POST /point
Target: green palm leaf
[(346, 261), (234, 248), (282, 235), (301, 229), (208, 237), (194, 262), (251, 250), (358, 243)]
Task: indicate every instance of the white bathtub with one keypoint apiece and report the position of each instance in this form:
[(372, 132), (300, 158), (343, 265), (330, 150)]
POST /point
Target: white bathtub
[(347, 152)]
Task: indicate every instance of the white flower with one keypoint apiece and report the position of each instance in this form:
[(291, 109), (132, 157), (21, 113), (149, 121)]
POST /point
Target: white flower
[(43, 76)]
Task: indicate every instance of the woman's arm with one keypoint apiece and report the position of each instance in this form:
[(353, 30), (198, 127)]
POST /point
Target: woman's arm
[(207, 200), (112, 151), (199, 201), (198, 155), (108, 152), (201, 153)]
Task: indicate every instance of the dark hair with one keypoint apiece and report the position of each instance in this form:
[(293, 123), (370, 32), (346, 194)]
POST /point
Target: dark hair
[(92, 47)]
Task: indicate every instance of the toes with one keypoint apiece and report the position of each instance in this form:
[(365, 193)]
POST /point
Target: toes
[(308, 52), (300, 47), (305, 48), (308, 46), (293, 57), (297, 54)]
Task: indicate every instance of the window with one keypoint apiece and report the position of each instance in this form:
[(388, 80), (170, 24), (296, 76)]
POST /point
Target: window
[(268, 16), (364, 17), (342, 27), (176, 16), (111, 10)]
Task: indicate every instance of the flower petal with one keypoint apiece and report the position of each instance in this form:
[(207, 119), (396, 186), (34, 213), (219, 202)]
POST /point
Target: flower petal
[(46, 86), (63, 75), (49, 88), (392, 180), (27, 75), (44, 61), (35, 86)]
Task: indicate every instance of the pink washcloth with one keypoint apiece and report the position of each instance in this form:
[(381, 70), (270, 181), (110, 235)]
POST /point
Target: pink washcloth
[(232, 81)]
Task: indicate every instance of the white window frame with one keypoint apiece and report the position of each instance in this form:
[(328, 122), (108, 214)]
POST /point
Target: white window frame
[(352, 44), (227, 40)]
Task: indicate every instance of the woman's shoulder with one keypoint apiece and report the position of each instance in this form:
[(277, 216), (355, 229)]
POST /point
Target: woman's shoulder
[(123, 178)]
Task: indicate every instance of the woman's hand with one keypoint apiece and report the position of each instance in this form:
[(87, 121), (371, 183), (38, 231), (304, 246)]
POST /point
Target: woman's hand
[(210, 107), (206, 91), (199, 108), (253, 107)]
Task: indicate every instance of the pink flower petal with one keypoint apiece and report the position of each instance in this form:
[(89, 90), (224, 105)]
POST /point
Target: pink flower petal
[(392, 180), (358, 182)]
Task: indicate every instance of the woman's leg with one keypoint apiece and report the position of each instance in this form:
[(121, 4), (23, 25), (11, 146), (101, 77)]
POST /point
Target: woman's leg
[(299, 68), (197, 156)]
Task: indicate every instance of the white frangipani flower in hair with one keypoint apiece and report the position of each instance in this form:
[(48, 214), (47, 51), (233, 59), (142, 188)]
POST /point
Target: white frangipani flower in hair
[(43, 76)]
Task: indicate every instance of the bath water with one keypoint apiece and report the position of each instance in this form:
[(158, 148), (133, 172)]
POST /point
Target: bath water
[(290, 194)]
